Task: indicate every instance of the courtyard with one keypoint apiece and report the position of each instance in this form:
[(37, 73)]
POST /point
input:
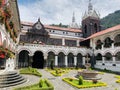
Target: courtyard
[(58, 84)]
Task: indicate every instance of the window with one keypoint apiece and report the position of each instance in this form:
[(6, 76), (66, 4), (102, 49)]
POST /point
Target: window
[(85, 28), (95, 27)]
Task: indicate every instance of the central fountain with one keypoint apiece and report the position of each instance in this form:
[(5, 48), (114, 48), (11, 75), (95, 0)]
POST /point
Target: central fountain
[(87, 73)]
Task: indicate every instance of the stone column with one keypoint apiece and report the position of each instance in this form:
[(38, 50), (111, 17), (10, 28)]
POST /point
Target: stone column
[(66, 61), (103, 60), (17, 61), (30, 59), (114, 61), (102, 47), (56, 60), (75, 60), (77, 43), (83, 60), (63, 41), (45, 60), (112, 45)]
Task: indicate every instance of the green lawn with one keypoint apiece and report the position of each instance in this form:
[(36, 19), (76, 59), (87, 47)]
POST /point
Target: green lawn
[(86, 83), (30, 70)]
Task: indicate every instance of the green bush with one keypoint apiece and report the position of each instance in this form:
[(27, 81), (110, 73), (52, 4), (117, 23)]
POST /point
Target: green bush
[(38, 86), (80, 80), (30, 70)]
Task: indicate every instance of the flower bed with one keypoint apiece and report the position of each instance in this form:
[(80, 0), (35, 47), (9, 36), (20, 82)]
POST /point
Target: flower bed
[(30, 70), (86, 83), (42, 85)]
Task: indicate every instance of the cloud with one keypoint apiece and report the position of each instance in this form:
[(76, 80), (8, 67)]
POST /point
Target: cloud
[(60, 11)]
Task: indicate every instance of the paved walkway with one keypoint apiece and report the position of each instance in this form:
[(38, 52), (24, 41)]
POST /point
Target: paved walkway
[(61, 85)]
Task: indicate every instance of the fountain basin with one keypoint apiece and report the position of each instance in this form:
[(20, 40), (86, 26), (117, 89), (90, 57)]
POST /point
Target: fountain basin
[(88, 74)]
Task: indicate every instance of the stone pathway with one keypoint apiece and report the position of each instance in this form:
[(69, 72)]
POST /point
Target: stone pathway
[(61, 85), (56, 81)]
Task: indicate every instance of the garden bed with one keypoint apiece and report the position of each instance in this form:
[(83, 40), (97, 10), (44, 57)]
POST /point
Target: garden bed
[(86, 83), (42, 85), (118, 77), (58, 71), (31, 71)]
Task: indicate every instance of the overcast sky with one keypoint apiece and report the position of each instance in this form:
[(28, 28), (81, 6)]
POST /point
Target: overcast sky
[(61, 11)]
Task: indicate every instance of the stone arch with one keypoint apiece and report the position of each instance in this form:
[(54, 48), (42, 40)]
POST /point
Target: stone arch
[(70, 59), (99, 57), (61, 59), (116, 51), (38, 59), (108, 51), (98, 44), (115, 34), (108, 56), (117, 40), (98, 52), (51, 58), (62, 52), (30, 52), (71, 52), (107, 42), (51, 51), (81, 52), (117, 56), (23, 60), (79, 59)]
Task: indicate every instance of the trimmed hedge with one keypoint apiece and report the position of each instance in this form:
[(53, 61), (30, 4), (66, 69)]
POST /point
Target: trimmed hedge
[(31, 71), (42, 85), (58, 71), (69, 81), (117, 81)]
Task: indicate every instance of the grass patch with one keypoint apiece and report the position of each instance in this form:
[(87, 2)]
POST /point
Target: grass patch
[(42, 85), (86, 83), (31, 71)]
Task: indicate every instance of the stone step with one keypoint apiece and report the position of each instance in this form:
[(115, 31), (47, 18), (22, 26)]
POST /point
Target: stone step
[(11, 79), (9, 76), (13, 84)]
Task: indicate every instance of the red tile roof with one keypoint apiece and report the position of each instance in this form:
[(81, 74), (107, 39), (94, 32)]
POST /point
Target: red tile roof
[(115, 28), (54, 27)]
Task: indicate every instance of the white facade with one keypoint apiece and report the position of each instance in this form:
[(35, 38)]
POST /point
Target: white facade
[(114, 63)]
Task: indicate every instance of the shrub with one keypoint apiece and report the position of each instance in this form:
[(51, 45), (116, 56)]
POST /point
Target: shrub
[(80, 80)]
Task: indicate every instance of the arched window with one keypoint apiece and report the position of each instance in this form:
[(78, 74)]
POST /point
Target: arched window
[(99, 44), (85, 28), (95, 27), (117, 56), (108, 42), (108, 56), (117, 40), (99, 57)]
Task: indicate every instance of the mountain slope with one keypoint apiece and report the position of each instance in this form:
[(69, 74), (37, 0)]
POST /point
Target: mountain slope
[(111, 20)]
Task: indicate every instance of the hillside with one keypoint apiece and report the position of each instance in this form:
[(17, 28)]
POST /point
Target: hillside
[(111, 20)]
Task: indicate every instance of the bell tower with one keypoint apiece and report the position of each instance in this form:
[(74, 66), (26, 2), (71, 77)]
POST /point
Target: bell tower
[(90, 21)]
